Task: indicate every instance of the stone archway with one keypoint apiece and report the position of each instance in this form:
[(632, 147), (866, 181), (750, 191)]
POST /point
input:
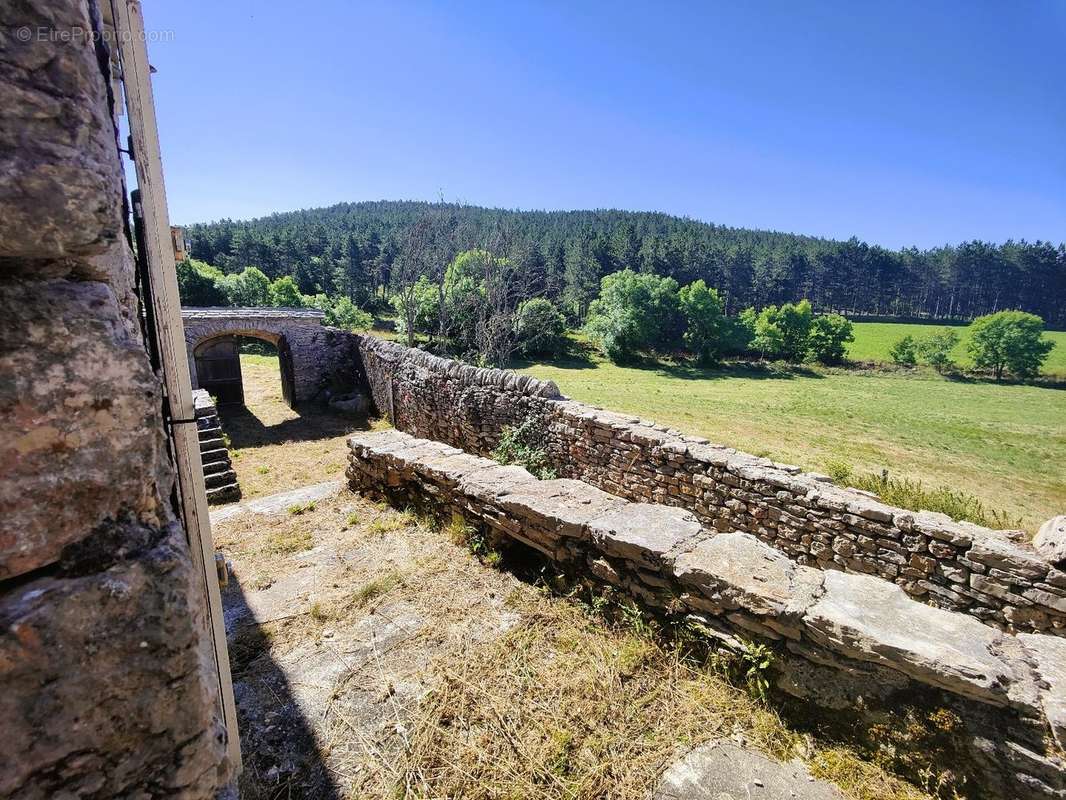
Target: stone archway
[(297, 333)]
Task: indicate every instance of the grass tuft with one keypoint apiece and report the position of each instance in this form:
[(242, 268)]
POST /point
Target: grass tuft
[(289, 541), (376, 588), (906, 493)]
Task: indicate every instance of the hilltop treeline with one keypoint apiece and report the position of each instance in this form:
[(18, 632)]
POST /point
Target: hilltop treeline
[(350, 248)]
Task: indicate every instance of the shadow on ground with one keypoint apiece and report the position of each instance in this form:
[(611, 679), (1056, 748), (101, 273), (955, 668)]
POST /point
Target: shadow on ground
[(246, 429), (282, 756)]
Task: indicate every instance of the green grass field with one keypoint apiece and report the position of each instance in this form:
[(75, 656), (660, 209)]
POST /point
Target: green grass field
[(1006, 444), (873, 340)]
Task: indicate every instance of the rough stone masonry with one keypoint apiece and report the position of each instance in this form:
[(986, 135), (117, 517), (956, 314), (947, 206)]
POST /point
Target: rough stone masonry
[(107, 677), (952, 565), (842, 641)]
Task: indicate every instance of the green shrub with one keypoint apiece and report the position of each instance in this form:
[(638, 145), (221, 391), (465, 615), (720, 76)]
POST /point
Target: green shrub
[(705, 322), (198, 284), (1009, 341), (905, 352), (539, 328), (936, 349), (249, 288), (341, 312), (634, 312), (828, 339), (284, 293)]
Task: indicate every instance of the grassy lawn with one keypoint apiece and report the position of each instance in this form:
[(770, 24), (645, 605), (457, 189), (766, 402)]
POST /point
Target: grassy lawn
[(873, 340), (1005, 444)]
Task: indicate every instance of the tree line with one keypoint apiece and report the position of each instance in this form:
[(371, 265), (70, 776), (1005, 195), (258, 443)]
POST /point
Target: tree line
[(353, 249)]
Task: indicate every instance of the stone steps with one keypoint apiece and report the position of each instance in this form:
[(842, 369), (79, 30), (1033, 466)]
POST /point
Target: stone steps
[(213, 456), (215, 467), (220, 480), (229, 493), (217, 479), (214, 432)]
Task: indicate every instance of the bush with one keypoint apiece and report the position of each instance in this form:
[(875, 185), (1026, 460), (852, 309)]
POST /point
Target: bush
[(250, 288), (766, 336), (936, 349), (1009, 341), (705, 324), (539, 328), (198, 284), (794, 320), (905, 352), (284, 293), (829, 337), (341, 312), (634, 312)]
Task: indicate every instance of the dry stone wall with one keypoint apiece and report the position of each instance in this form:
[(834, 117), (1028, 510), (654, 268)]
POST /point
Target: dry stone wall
[(947, 564), (108, 685), (843, 641)]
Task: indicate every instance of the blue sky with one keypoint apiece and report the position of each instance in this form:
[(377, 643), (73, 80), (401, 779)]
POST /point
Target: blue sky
[(902, 124)]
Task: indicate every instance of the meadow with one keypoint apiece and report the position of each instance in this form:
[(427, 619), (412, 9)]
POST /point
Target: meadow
[(1005, 444), (873, 340)]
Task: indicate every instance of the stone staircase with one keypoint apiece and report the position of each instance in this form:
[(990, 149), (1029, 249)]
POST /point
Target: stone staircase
[(219, 477)]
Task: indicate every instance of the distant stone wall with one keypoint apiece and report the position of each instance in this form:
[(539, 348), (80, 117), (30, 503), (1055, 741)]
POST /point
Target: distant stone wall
[(108, 685), (309, 353), (947, 564), (852, 643)]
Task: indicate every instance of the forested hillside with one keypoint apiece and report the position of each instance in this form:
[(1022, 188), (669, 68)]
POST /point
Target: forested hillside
[(350, 249)]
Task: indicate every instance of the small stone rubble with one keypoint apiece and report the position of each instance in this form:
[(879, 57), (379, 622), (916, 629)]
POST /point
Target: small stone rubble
[(859, 634), (952, 565)]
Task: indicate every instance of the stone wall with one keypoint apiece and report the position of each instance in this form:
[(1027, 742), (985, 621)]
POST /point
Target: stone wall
[(310, 355), (108, 684), (852, 643), (947, 564)]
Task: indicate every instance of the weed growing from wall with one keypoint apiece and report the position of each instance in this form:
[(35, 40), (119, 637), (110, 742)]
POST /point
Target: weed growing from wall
[(521, 446)]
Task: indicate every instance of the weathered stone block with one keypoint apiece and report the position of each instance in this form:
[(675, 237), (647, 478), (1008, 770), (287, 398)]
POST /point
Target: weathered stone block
[(109, 681), (564, 506), (645, 534), (82, 441), (1050, 540), (869, 619), (737, 571), (61, 187), (1049, 657)]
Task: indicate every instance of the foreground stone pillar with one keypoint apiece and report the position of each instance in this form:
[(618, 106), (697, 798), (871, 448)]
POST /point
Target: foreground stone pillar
[(108, 685)]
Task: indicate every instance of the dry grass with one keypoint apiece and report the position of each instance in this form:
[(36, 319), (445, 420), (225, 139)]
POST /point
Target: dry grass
[(275, 448), (503, 689), (568, 706)]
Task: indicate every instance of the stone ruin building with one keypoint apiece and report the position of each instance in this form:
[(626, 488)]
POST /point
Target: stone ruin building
[(114, 675)]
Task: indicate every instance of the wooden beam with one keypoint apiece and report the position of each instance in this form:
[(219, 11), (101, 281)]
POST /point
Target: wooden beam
[(166, 303)]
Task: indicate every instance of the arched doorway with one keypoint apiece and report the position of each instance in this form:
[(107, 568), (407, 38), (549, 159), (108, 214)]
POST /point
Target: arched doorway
[(217, 362), (218, 369)]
